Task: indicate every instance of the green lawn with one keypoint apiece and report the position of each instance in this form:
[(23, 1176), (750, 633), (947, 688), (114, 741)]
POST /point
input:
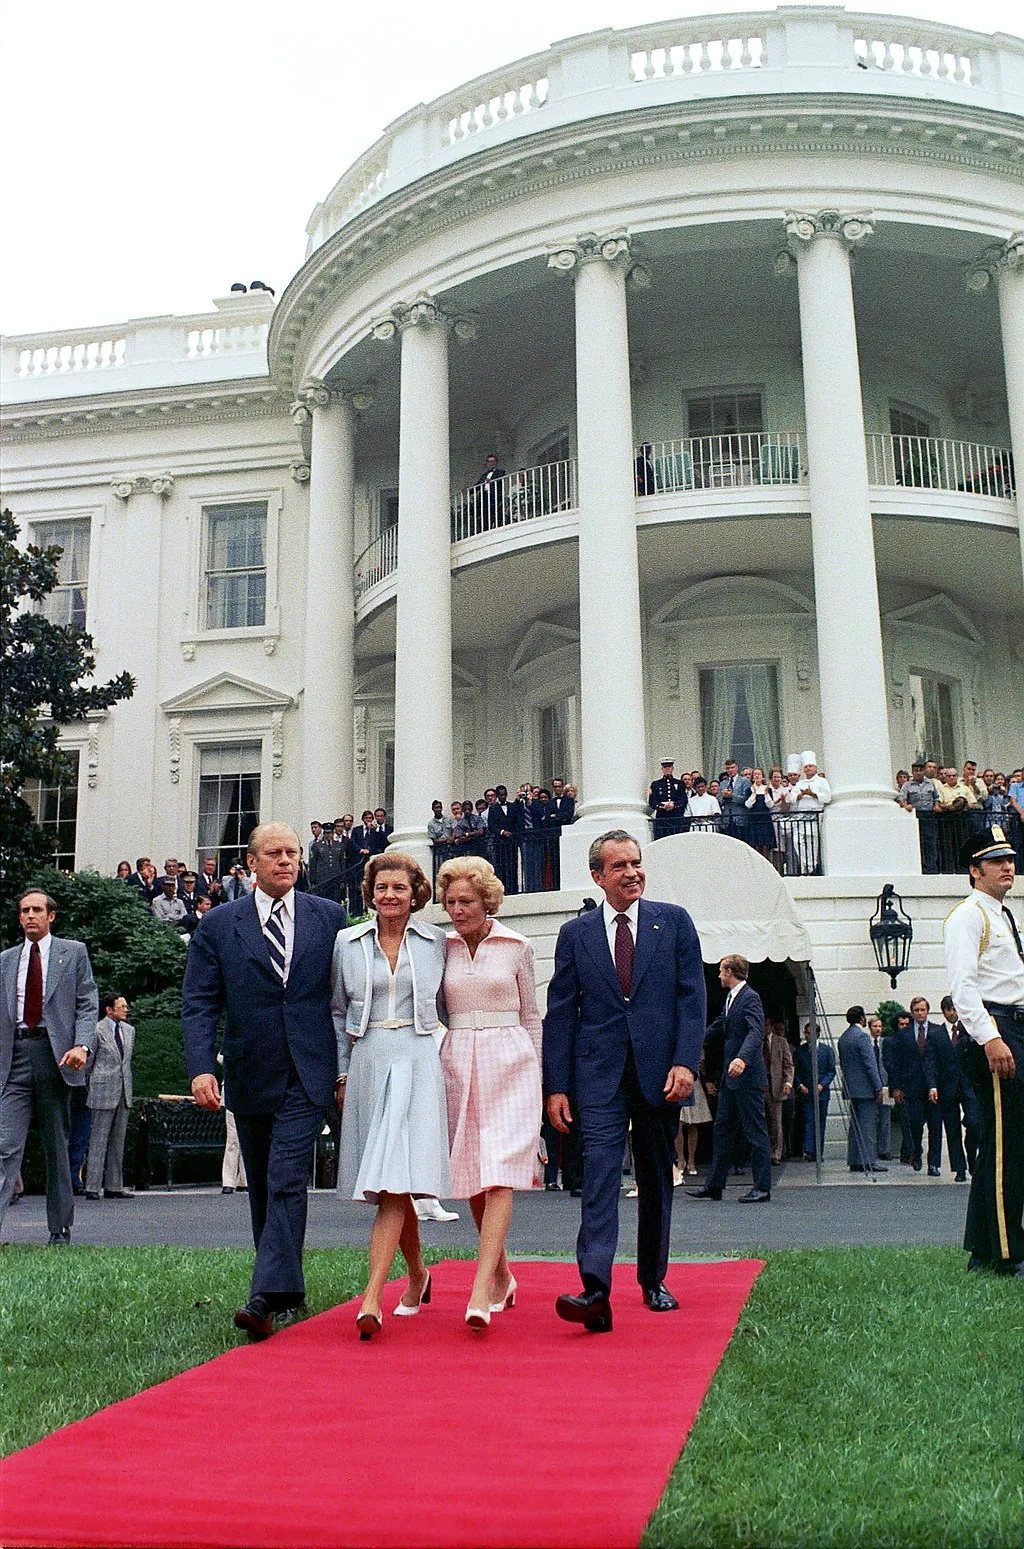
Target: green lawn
[(870, 1397)]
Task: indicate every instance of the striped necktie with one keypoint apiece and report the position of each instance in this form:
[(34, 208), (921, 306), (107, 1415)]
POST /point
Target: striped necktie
[(273, 931)]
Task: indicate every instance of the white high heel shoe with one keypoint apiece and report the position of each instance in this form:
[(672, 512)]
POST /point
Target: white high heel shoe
[(478, 1318), (402, 1311), (509, 1299)]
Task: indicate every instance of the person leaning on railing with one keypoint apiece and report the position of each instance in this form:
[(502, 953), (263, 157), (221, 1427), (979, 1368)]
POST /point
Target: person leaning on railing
[(918, 795)]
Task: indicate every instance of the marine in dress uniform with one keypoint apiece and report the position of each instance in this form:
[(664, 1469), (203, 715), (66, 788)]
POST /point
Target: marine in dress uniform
[(985, 963), (668, 798)]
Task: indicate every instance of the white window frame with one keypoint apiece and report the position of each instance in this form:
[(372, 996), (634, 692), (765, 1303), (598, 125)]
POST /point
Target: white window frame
[(194, 631), (80, 753), (31, 520)]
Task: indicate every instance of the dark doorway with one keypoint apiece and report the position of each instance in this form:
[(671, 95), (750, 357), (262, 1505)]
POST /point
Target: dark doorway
[(775, 984)]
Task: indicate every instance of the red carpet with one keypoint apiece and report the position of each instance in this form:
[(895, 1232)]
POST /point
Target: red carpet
[(531, 1434)]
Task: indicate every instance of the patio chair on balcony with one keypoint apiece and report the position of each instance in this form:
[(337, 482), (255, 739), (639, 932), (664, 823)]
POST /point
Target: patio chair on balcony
[(673, 471), (779, 464)]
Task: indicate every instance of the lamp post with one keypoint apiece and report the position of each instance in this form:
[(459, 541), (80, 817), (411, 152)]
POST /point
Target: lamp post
[(891, 932)]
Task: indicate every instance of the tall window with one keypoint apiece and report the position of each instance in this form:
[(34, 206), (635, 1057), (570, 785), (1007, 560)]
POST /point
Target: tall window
[(236, 566), (55, 809), (229, 801), (722, 413), (554, 738), (388, 510), (66, 603), (914, 458), (739, 709), (933, 711), (386, 765), (553, 449)]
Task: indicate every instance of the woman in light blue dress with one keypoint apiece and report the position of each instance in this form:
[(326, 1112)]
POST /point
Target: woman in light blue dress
[(394, 1128)]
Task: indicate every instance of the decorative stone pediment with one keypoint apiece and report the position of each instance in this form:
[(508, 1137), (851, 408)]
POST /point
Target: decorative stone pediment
[(937, 615), (746, 598), (226, 692), (542, 640)]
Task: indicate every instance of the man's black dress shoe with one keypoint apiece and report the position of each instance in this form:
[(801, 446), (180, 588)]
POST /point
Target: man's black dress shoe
[(552, 1188), (575, 1193), (90, 1195), (961, 1177), (256, 1318), (591, 1308), (60, 1239), (934, 1172), (975, 1265), (876, 1169), (705, 1193), (755, 1197), (227, 1188), (286, 1316), (916, 1166), (660, 1299)]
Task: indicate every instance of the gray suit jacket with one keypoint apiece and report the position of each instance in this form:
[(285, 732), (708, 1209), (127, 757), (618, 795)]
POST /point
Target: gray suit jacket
[(110, 1076), (70, 1004), (857, 1058)]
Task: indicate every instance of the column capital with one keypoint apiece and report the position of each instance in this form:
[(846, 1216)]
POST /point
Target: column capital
[(615, 248), (423, 312), (1000, 256), (131, 484), (313, 394), (850, 227)]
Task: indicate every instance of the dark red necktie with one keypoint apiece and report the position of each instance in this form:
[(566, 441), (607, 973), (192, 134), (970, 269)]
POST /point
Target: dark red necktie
[(33, 1013), (624, 953), (954, 1036), (118, 1039), (922, 1039)]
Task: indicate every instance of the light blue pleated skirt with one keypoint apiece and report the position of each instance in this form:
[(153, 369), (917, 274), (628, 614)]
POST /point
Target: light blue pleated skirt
[(394, 1128)]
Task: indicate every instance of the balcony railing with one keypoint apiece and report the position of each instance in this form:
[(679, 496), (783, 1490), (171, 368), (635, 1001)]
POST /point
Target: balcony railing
[(731, 461), (529, 864), (795, 852), (378, 559), (943, 834), (517, 497), (929, 462)]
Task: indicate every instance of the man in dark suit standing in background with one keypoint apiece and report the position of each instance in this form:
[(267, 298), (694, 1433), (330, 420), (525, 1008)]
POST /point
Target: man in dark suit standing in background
[(506, 825), (744, 1079), (967, 1097), (864, 1085), (942, 1062), (265, 961), (48, 1014), (915, 1081), (623, 1033)]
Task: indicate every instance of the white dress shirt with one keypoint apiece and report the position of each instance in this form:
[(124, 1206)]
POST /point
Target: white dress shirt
[(733, 994), (264, 904), (982, 963), (610, 926), (703, 807), (44, 958)]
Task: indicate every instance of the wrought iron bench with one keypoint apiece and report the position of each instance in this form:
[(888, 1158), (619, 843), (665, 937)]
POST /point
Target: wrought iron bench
[(178, 1127)]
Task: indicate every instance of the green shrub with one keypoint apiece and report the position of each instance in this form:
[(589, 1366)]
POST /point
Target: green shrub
[(158, 1063), (889, 1010)]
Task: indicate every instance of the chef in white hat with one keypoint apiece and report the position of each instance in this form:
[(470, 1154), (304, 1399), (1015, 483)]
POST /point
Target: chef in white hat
[(811, 792)]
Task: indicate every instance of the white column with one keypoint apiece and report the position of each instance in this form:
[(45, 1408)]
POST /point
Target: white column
[(328, 676), (423, 633), (1009, 267), (614, 742), (865, 832), (135, 819)]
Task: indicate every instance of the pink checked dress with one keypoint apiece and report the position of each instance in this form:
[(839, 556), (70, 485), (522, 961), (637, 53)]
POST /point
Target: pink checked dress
[(491, 1062)]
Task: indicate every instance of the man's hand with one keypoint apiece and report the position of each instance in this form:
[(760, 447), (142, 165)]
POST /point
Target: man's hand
[(711, 1088), (933, 1094), (1000, 1059), (804, 1090), (339, 1095), (787, 1088), (206, 1091), (897, 1094), (678, 1084), (75, 1058), (558, 1112), (880, 1095), (737, 1067)]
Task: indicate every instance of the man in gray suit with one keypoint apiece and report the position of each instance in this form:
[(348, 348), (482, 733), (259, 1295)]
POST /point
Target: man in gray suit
[(48, 1011), (864, 1087), (110, 1099)]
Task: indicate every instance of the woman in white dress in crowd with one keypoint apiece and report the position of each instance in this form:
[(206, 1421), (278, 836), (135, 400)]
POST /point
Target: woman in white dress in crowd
[(394, 1132), (491, 1062)]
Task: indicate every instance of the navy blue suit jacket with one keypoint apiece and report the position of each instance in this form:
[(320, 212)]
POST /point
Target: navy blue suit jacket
[(268, 1026), (914, 1073), (590, 1026), (743, 1039)]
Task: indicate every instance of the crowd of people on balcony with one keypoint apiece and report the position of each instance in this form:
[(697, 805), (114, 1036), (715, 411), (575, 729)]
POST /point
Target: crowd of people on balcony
[(946, 801)]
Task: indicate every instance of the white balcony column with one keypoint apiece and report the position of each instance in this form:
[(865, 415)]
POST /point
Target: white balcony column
[(327, 708), (865, 832), (135, 649), (1009, 268), (613, 736), (424, 763)]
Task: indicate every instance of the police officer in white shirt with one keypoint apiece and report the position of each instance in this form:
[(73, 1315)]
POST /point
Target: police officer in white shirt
[(985, 963)]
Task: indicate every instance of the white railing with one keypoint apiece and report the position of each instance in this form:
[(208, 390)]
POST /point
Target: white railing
[(377, 561), (929, 462), (766, 457), (517, 497), (503, 98), (243, 338), (74, 354), (696, 56), (923, 51)]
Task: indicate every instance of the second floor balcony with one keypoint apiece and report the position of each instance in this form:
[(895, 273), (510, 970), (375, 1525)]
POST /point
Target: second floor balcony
[(737, 473)]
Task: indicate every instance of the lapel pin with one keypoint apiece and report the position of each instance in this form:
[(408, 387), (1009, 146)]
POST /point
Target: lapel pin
[(656, 927)]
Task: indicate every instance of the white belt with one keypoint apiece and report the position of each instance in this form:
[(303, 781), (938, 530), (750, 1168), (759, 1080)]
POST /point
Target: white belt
[(478, 1020), (391, 1024)]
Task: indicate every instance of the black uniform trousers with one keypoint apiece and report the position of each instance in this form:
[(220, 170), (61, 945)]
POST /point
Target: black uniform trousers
[(994, 1231)]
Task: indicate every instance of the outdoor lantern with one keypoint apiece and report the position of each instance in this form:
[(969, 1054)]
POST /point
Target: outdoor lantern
[(891, 934)]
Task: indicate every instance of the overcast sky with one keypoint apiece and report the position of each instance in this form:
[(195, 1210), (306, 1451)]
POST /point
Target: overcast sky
[(153, 154)]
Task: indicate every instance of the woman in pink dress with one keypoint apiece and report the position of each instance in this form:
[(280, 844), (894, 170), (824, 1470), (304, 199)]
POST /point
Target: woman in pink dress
[(491, 1062)]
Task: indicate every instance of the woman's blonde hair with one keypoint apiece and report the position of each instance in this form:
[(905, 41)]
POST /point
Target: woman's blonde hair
[(396, 860), (480, 874)]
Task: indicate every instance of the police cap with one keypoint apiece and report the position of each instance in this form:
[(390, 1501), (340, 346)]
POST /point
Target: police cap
[(989, 844)]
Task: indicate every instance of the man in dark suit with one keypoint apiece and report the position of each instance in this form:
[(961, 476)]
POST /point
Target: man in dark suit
[(744, 1079), (914, 1078), (563, 807), (623, 1036), (667, 798), (48, 1014), (264, 961), (967, 1097), (506, 825), (942, 1063), (864, 1085)]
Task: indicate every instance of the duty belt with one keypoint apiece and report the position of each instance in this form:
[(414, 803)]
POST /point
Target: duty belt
[(39, 1031), (1015, 1012)]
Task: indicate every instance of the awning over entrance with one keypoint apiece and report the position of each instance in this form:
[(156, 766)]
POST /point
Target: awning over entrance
[(736, 898)]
